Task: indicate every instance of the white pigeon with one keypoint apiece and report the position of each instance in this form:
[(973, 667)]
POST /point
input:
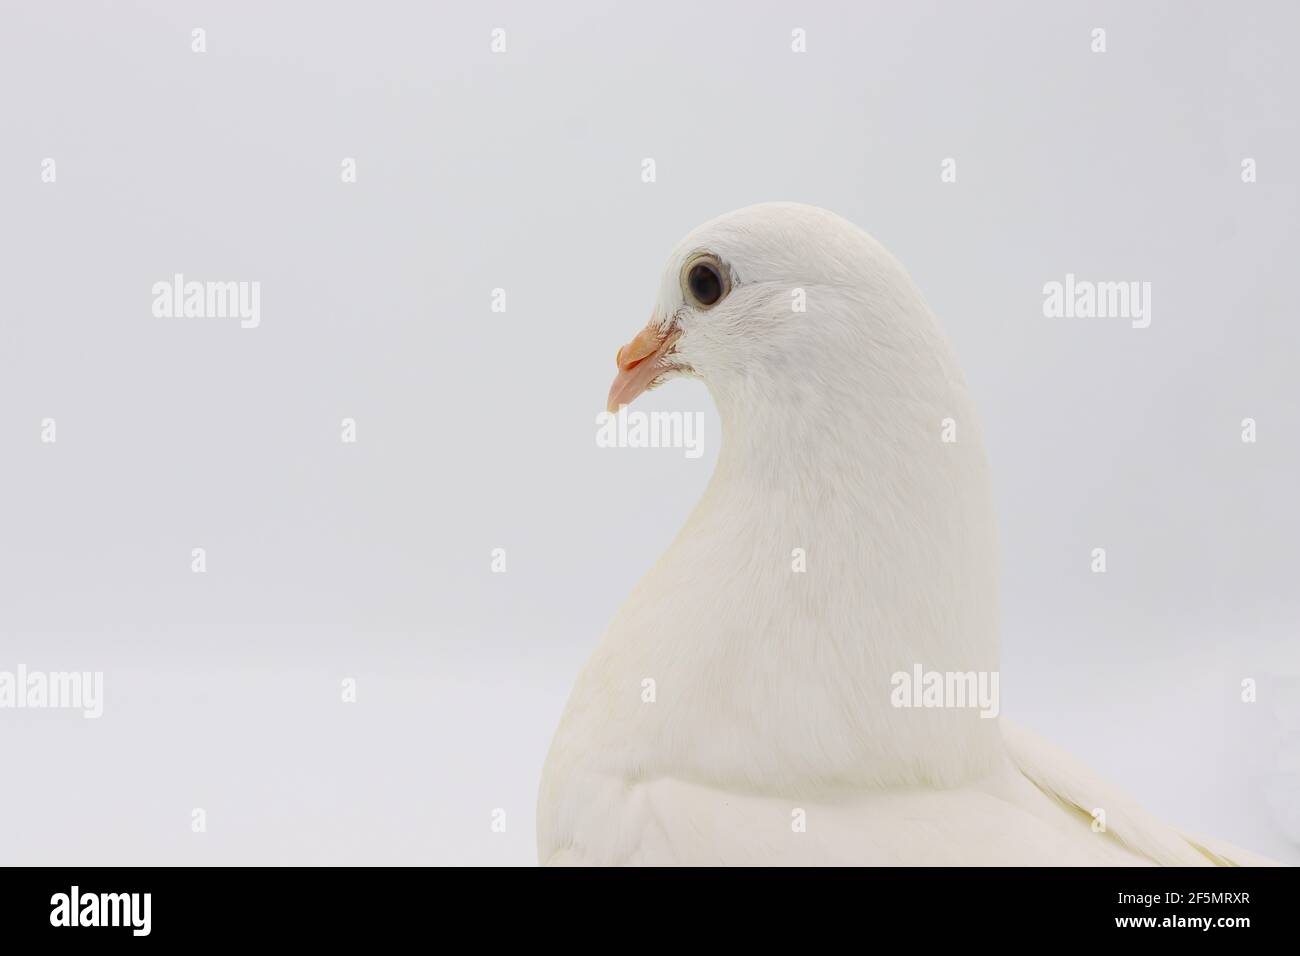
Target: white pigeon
[(771, 732)]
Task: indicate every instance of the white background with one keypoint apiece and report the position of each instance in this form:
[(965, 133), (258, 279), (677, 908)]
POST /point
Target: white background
[(476, 429)]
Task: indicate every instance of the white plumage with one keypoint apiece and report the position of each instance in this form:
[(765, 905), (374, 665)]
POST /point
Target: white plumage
[(772, 737)]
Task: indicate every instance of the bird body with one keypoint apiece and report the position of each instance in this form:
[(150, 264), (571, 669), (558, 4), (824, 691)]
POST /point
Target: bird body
[(843, 539)]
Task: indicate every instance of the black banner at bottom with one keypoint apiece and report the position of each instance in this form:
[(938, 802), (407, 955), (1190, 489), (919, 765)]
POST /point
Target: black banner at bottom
[(336, 906)]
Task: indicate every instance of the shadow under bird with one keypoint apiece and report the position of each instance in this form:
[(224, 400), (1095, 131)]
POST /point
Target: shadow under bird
[(777, 734)]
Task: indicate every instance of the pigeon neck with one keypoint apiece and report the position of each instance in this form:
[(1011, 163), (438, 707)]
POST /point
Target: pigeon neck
[(846, 542)]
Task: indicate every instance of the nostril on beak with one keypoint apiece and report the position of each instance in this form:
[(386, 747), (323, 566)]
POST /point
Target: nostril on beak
[(633, 363), (647, 342)]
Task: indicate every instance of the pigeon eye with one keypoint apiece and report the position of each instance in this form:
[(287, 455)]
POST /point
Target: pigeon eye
[(704, 281)]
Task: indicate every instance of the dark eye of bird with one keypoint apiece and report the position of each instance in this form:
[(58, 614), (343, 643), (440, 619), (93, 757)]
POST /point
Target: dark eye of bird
[(705, 283)]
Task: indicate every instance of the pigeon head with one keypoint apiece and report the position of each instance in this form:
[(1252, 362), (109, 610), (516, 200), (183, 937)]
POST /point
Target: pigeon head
[(761, 301)]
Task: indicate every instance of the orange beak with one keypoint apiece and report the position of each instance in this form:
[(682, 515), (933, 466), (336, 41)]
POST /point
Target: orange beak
[(639, 363)]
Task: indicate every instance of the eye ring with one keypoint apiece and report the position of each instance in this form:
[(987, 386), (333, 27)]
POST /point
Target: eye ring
[(705, 280)]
